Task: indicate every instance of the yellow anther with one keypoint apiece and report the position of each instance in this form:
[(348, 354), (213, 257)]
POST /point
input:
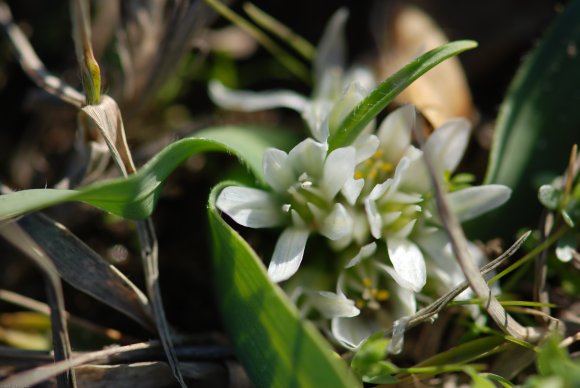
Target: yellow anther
[(382, 295), (358, 175), (360, 303), (378, 154), (367, 282), (368, 162), (372, 173), (386, 167)]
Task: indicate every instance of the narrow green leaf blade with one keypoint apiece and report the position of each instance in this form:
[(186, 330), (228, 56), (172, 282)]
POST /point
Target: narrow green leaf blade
[(380, 97), (539, 119), (135, 197), (276, 347)]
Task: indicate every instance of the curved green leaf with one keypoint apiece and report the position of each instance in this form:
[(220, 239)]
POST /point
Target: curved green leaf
[(135, 197), (539, 119), (381, 96), (276, 347)]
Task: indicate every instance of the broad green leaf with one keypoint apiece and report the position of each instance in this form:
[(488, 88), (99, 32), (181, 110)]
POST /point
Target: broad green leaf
[(554, 360), (380, 97), (277, 347), (135, 197), (538, 121)]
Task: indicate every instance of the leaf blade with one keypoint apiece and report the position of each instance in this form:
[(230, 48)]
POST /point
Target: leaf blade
[(277, 348), (381, 96)]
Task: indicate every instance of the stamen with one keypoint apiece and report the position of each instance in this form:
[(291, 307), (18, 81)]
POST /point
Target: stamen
[(367, 282), (382, 295), (386, 167)]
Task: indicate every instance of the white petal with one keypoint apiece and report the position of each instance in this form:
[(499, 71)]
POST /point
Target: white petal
[(353, 94), (277, 170), (395, 133), (408, 262), (331, 52), (297, 220), (250, 207), (332, 305), (363, 75), (389, 217), (352, 189), (316, 116), (308, 156), (352, 332), (406, 230), (402, 197), (438, 249), (337, 224), (366, 146), (374, 218), (447, 144), (338, 168), (288, 254), (247, 101), (405, 304), (379, 190), (404, 284), (363, 253), (400, 172), (416, 178), (474, 201)]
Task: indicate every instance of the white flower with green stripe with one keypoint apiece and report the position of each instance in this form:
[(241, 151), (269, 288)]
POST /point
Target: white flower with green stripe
[(305, 183), (399, 202)]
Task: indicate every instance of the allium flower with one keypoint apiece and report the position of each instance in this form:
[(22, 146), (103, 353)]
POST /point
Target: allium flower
[(400, 205), (305, 183), (366, 300)]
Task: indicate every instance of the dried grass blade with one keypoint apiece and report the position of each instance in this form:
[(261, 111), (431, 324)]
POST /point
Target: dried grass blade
[(43, 373), (109, 121), (61, 343), (101, 280), (461, 252), (434, 308), (150, 257), (32, 65)]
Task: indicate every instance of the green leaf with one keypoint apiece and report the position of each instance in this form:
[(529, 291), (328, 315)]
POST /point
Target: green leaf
[(538, 121), (479, 381), (464, 353), (136, 196), (276, 347), (369, 362), (380, 97), (554, 360)]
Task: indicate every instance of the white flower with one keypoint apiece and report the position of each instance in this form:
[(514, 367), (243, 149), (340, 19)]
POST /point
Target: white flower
[(399, 202), (366, 300), (305, 182), (336, 92)]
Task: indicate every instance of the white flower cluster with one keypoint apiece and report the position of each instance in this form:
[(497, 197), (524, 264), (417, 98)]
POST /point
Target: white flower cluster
[(372, 194)]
